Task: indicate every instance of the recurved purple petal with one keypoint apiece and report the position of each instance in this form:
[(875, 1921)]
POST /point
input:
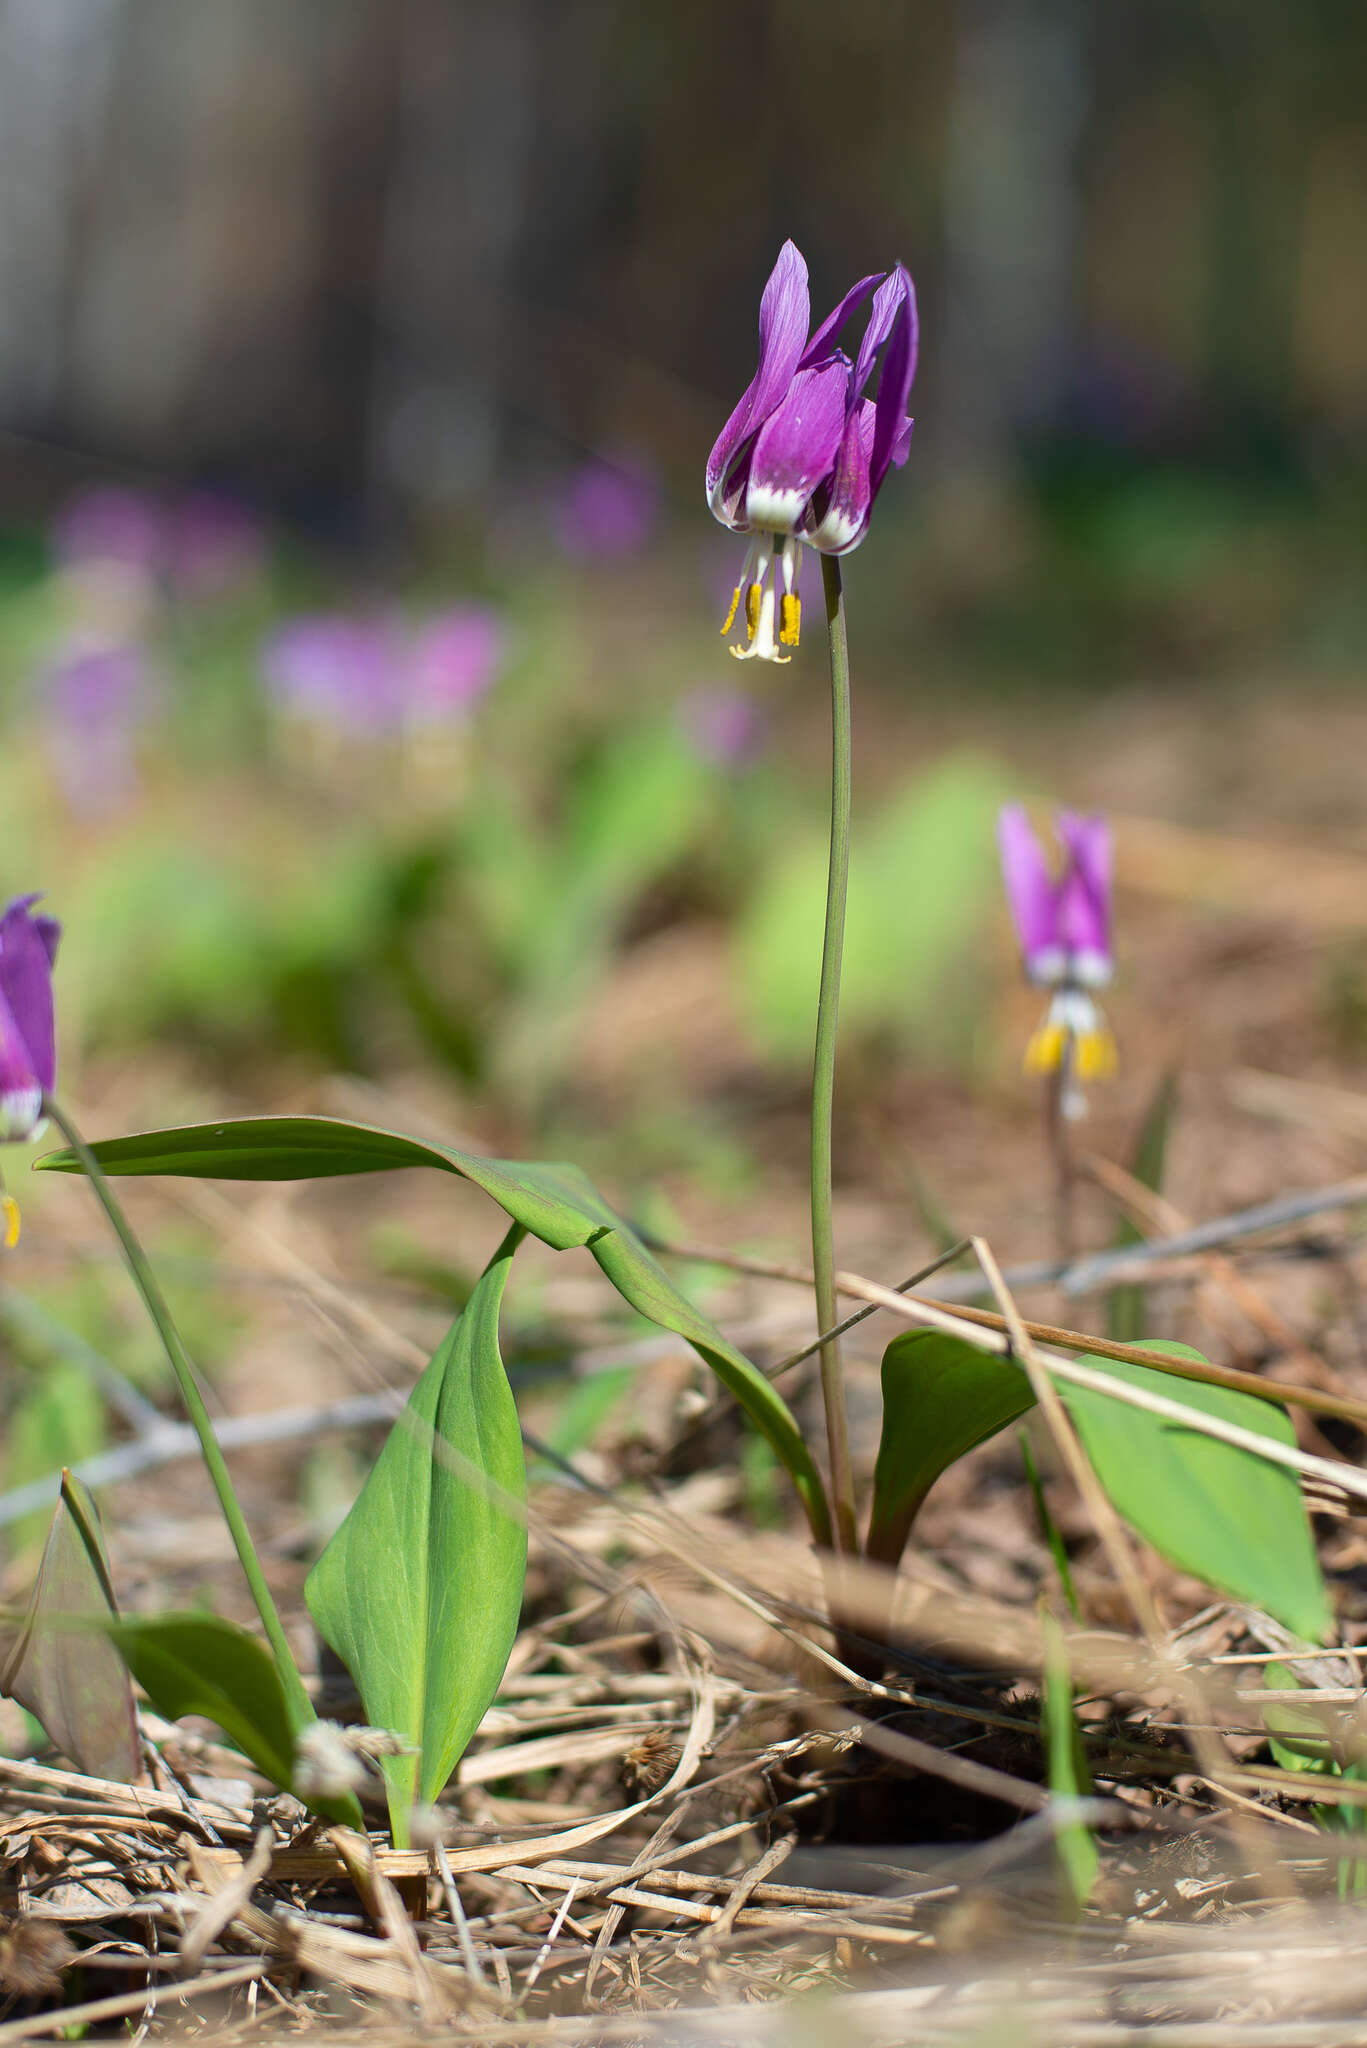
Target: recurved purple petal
[(28, 1055), (826, 333), (888, 302), (1085, 895), (784, 315), (840, 515), (1031, 894), (796, 448), (894, 382), (47, 928), (901, 446)]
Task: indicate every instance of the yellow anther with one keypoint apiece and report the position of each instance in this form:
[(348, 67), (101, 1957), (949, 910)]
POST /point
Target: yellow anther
[(729, 620), (10, 1209), (789, 618), (1044, 1053), (754, 598), (1096, 1055)]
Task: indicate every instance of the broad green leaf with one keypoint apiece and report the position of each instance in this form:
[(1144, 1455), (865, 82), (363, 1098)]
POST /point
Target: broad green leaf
[(74, 1682), (1225, 1514), (1069, 1777), (940, 1398), (1126, 1306), (420, 1590), (555, 1203), (199, 1664)]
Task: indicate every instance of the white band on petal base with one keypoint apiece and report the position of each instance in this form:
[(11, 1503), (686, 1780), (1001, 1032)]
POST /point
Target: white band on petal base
[(21, 1115)]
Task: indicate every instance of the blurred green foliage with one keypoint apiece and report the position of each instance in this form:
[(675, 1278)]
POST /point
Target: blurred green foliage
[(922, 877), (54, 1419), (279, 893)]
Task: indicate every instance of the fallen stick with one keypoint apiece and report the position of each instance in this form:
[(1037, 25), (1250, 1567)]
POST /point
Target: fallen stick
[(1077, 1276)]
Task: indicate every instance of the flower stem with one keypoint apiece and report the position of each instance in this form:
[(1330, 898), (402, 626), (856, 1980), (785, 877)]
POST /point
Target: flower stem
[(823, 1066), (301, 1709), (1059, 1140)]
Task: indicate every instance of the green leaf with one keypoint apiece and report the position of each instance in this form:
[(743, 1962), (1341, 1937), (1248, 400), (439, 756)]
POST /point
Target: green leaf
[(555, 1203), (1127, 1305), (420, 1590), (74, 1683), (1223, 1513), (941, 1396), (1069, 1778), (199, 1664)]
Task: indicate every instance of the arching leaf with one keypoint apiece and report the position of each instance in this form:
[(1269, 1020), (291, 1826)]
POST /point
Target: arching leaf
[(556, 1203)]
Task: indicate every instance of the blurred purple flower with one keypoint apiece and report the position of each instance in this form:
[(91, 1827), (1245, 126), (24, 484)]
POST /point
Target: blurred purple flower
[(28, 1049), (370, 676), (348, 671), (452, 661), (724, 726), (804, 454), (94, 697), (1064, 926), (204, 545), (216, 545), (609, 510), (106, 523)]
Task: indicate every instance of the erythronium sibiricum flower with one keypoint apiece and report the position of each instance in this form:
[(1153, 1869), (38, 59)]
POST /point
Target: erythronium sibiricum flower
[(804, 454), (1063, 922), (28, 1049)]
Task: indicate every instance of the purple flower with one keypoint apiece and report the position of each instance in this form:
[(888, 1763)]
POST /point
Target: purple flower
[(109, 524), (28, 1049), (215, 545), (205, 545), (348, 671), (453, 660), (723, 726), (804, 454), (1063, 922), (94, 698), (609, 510), (370, 676)]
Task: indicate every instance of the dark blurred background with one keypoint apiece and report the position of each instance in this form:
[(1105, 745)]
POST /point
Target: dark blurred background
[(359, 257)]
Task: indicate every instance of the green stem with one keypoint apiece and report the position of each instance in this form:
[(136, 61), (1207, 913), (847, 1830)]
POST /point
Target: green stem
[(301, 1708), (1059, 1139), (823, 1067)]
